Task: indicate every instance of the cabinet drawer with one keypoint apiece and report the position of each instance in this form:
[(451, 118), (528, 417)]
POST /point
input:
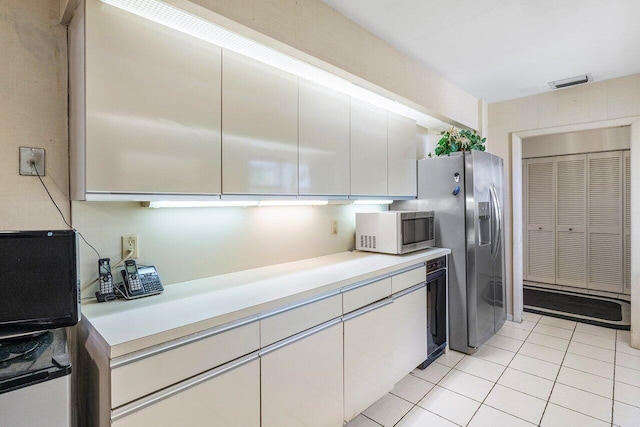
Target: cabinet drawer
[(227, 396), (286, 322), (408, 279), (364, 295), (133, 377)]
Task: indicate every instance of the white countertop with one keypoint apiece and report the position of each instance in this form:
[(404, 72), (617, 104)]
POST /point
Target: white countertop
[(189, 307)]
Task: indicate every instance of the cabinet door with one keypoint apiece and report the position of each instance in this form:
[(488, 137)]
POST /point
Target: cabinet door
[(323, 141), (368, 150), (228, 396), (259, 128), (368, 357), (605, 221), (571, 221), (402, 161), (152, 106), (301, 379), (540, 248), (410, 326), (626, 156)]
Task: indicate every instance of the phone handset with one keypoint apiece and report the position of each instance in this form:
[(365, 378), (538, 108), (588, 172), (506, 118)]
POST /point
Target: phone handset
[(131, 277), (106, 280)]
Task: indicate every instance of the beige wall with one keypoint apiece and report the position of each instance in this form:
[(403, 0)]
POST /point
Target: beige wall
[(577, 107), (33, 112)]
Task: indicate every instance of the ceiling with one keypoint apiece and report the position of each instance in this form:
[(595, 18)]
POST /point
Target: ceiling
[(503, 49)]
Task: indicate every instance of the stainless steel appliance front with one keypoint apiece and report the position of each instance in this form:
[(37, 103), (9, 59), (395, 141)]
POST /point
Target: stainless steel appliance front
[(465, 190)]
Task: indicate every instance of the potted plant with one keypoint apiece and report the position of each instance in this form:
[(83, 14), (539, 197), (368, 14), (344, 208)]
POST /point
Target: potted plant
[(453, 140)]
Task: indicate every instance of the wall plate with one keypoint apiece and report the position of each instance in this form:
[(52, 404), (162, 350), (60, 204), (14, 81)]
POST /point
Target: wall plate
[(35, 154)]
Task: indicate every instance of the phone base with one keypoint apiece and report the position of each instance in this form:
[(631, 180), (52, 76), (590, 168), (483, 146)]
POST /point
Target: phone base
[(105, 297)]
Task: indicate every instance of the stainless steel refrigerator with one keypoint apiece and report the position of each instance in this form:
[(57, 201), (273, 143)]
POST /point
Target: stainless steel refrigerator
[(466, 192)]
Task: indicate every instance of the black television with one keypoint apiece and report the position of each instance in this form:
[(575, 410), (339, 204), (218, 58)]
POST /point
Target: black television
[(39, 284)]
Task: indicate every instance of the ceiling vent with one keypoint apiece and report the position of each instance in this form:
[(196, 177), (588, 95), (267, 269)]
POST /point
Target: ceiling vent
[(578, 80)]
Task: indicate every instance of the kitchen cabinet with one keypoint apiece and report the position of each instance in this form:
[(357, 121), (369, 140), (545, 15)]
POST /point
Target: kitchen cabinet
[(145, 107), (410, 330), (259, 128), (287, 321), (301, 379), (368, 150), (402, 157), (368, 356), (324, 126), (330, 336), (144, 373), (227, 396)]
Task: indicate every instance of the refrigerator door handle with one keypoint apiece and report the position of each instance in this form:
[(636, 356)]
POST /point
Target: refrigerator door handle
[(498, 215)]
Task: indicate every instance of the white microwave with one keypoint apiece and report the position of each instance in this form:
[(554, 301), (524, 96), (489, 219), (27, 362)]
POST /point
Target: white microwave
[(395, 232)]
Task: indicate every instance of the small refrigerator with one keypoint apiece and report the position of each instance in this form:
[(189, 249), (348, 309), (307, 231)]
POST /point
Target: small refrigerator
[(35, 381)]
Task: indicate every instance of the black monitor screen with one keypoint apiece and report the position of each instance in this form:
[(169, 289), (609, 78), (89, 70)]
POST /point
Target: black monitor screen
[(38, 281)]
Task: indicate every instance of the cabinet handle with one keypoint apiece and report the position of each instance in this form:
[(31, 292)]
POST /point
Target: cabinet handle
[(299, 304), (539, 228), (367, 309), (180, 387), (298, 337), (571, 229), (365, 282), (408, 290), (170, 345)]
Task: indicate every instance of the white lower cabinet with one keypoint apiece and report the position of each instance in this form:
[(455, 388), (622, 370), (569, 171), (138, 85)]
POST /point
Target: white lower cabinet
[(368, 356), (410, 330), (302, 379), (226, 396)]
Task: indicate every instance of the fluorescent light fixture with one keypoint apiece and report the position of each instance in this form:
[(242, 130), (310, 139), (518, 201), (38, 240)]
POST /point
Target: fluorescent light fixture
[(201, 204), (293, 202), (372, 202), (195, 26), (572, 81)]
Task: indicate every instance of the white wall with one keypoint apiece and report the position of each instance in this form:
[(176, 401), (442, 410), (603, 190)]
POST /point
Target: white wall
[(33, 111), (574, 108)]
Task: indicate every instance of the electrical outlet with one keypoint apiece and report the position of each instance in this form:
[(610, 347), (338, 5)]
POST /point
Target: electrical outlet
[(130, 243), (334, 227)]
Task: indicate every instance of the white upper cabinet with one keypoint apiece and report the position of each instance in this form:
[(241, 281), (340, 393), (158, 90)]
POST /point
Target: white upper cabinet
[(368, 150), (259, 128), (323, 141), (402, 161), (146, 106)]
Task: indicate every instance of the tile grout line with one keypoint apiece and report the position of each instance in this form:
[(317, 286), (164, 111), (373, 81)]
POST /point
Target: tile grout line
[(613, 392), (556, 379), (496, 383)]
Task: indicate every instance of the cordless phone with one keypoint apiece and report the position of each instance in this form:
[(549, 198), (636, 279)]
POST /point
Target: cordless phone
[(131, 277), (105, 279)]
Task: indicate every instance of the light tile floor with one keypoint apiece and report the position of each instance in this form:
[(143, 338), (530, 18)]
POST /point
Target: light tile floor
[(543, 371)]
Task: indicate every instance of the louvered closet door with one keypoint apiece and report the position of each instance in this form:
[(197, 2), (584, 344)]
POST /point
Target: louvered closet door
[(605, 221), (571, 220), (540, 248), (626, 158)]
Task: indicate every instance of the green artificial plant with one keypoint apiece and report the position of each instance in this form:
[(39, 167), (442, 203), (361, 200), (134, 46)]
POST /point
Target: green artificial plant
[(453, 140)]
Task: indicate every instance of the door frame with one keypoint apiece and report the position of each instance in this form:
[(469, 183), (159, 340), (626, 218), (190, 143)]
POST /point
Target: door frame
[(517, 211)]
